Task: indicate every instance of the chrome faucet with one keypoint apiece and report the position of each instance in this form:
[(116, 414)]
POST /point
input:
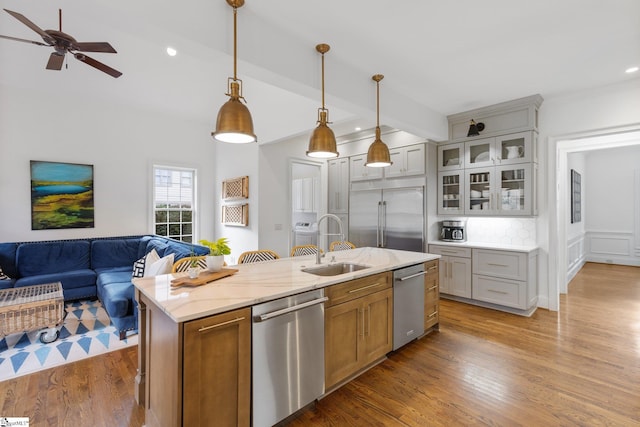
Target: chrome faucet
[(341, 234)]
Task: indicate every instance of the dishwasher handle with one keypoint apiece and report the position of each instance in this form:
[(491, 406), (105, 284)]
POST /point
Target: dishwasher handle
[(411, 276), (272, 314)]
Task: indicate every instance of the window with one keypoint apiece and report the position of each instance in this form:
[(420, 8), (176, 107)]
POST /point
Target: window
[(174, 204)]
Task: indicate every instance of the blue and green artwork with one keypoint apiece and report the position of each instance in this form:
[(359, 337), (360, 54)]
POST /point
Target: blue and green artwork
[(61, 195)]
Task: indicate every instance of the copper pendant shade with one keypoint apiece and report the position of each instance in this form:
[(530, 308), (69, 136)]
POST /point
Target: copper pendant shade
[(322, 143), (234, 123), (378, 155)]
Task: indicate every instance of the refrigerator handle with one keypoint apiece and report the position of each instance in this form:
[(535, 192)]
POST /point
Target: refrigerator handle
[(378, 227), (384, 224)]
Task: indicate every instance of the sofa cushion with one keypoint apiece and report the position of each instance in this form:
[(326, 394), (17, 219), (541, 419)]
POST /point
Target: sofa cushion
[(69, 279), (118, 299), (52, 257), (113, 252), (116, 275)]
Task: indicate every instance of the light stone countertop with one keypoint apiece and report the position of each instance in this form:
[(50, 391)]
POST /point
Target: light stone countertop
[(481, 245), (264, 281)]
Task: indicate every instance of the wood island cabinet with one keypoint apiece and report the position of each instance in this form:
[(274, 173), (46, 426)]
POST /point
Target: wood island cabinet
[(358, 326), (431, 295), (197, 372)]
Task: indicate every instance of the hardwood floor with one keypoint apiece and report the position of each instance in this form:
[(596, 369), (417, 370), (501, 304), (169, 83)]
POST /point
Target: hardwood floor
[(580, 366)]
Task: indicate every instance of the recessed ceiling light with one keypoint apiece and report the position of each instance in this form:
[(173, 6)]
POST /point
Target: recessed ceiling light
[(171, 51), (631, 70), (358, 128)]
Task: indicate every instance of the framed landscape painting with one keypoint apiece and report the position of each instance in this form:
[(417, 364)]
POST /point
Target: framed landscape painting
[(61, 195)]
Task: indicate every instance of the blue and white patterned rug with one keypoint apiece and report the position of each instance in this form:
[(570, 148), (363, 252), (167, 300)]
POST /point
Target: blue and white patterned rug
[(87, 331)]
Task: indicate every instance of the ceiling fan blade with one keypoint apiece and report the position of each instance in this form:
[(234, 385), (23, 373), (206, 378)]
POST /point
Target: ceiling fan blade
[(103, 47), (24, 40), (55, 61), (20, 17), (98, 65)]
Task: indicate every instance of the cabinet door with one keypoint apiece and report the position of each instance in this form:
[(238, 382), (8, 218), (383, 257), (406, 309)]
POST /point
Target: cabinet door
[(443, 275), (513, 191), (378, 325), (217, 370), (359, 172), (342, 340), (414, 160), (479, 194), (450, 156), (338, 200), (460, 276), (451, 192), (406, 161), (479, 153), (514, 148)]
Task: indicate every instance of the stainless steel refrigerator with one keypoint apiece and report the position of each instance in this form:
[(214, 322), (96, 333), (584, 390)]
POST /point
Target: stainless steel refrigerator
[(391, 218)]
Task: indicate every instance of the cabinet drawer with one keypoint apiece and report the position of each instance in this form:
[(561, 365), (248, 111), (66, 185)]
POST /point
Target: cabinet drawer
[(450, 251), (431, 316), (431, 289), (357, 288), (500, 291), (509, 265)]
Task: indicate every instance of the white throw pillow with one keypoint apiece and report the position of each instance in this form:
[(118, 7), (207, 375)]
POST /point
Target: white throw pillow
[(155, 267)]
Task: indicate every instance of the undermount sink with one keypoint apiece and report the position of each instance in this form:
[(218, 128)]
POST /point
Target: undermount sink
[(334, 269)]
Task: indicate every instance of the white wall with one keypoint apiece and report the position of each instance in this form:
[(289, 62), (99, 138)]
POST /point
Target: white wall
[(119, 141), (611, 199), (233, 161), (565, 117), (575, 242)]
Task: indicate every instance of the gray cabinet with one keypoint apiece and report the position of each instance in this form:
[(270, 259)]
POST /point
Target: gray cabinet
[(454, 269), (338, 200)]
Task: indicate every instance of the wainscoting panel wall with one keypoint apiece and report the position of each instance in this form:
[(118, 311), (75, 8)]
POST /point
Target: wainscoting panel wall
[(611, 247), (576, 255)]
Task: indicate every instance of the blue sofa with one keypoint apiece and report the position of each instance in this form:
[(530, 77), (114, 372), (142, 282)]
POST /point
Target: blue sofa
[(89, 268)]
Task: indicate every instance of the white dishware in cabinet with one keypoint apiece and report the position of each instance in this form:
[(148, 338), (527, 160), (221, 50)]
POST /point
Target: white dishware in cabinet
[(500, 190), (501, 150), (451, 156), (451, 193)]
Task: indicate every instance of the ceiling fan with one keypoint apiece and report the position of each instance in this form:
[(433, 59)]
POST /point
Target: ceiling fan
[(63, 43)]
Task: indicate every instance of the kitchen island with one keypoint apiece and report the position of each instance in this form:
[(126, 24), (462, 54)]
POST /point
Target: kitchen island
[(182, 371)]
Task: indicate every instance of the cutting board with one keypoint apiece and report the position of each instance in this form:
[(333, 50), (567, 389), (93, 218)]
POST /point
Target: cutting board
[(203, 278)]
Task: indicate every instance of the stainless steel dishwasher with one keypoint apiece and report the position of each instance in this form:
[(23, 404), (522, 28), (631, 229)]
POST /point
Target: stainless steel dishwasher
[(288, 356), (408, 304)]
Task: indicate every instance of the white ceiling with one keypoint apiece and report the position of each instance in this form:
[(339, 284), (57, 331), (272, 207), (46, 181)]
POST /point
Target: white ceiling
[(438, 57)]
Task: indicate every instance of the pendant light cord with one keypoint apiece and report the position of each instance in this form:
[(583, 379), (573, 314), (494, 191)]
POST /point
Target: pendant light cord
[(235, 44), (323, 82), (377, 103)]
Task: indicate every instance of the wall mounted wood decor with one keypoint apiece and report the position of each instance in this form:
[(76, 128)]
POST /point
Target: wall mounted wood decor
[(235, 188), (237, 215)]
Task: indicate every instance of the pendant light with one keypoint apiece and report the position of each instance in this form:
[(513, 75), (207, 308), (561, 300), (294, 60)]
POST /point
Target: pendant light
[(234, 122), (322, 143), (378, 155)]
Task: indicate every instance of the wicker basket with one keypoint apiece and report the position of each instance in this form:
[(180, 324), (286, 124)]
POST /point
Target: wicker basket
[(31, 307)]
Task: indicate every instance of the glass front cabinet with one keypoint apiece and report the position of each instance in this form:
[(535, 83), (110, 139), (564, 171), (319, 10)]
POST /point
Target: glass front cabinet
[(451, 192), (451, 156), (501, 150), (501, 190)]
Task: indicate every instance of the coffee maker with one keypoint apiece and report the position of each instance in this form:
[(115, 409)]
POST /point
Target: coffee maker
[(453, 231)]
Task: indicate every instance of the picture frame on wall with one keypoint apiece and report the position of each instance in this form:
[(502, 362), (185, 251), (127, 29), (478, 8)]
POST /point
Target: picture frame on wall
[(61, 195), (576, 197)]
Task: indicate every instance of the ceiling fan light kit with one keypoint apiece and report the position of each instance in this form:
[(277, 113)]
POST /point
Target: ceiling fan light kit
[(64, 43), (378, 155), (234, 123), (322, 143)]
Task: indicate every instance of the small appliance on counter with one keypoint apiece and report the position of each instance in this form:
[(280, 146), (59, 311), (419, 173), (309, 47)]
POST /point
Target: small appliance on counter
[(453, 231)]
